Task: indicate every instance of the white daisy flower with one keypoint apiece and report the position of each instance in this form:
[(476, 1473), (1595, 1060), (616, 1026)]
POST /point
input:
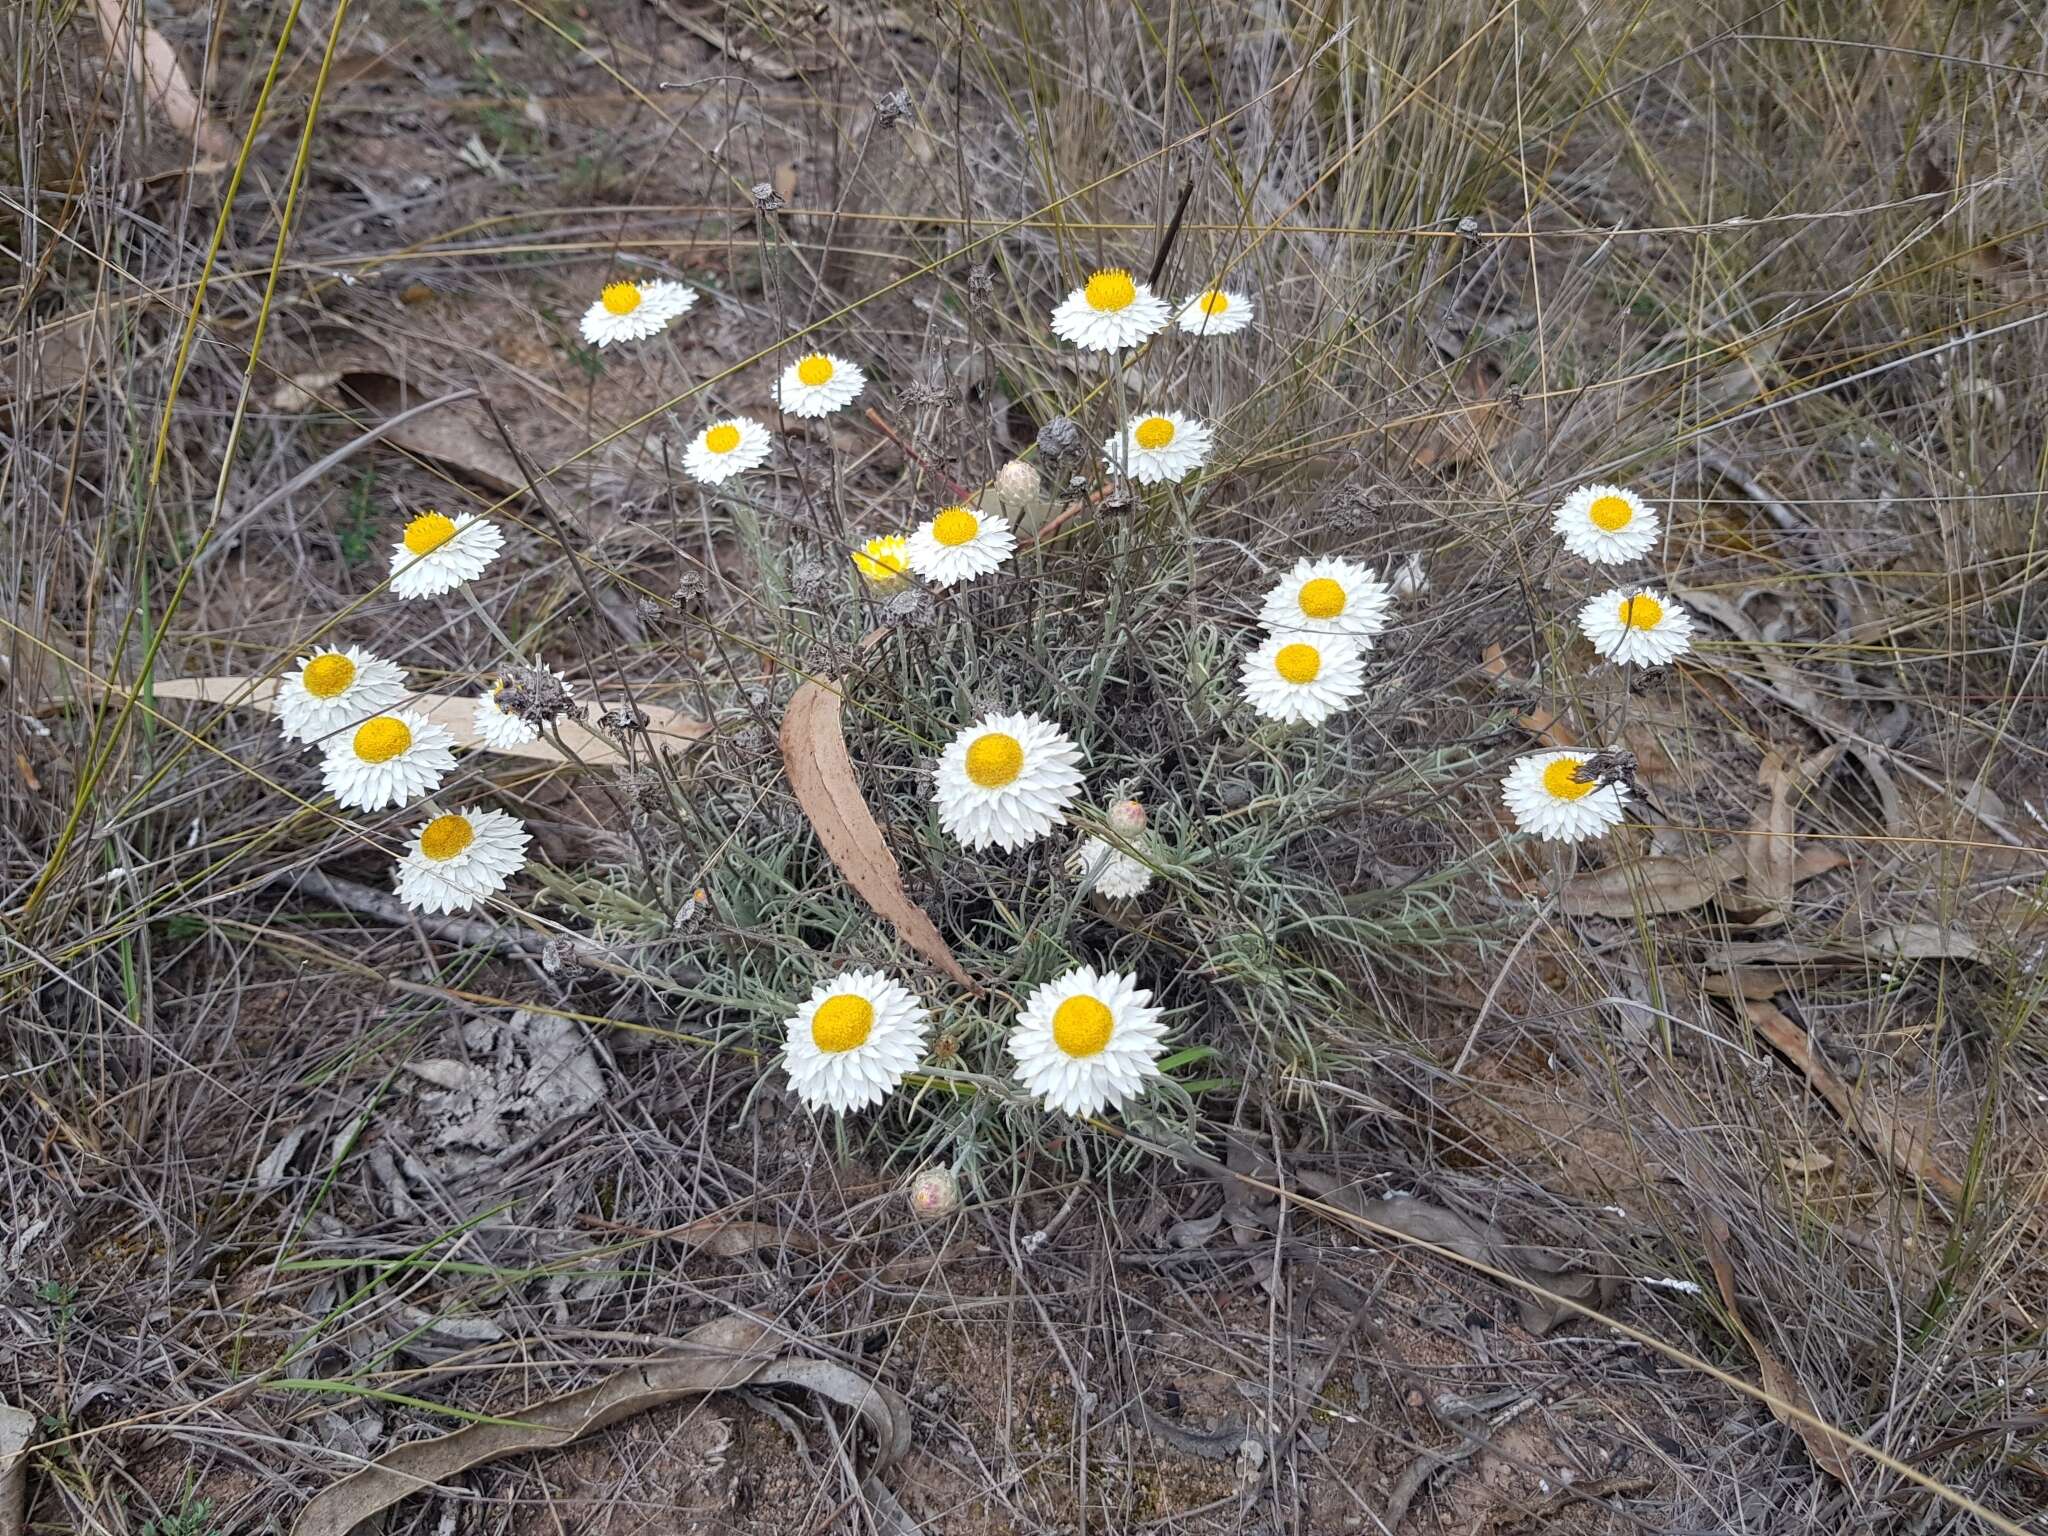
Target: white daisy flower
[(635, 311), (1086, 1041), (1159, 449), (1636, 626), (1328, 597), (1550, 800), (335, 689), (958, 544), (819, 384), (458, 860), (1215, 312), (884, 559), (499, 730), (1606, 524), (1006, 780), (852, 1041), (1305, 678), (1107, 870), (726, 448), (387, 760), (1110, 312), (438, 553)]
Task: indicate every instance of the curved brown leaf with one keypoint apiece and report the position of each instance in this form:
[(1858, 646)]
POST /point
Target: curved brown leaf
[(821, 773), (728, 1353), (154, 63), (1660, 883)]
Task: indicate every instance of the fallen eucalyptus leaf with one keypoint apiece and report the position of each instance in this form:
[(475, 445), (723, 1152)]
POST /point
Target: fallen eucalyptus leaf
[(1880, 1130), (1480, 1241), (1770, 852), (821, 775), (1658, 884), (731, 1352), (17, 1429), (153, 62), (1782, 1385), (452, 712), (724, 1238), (360, 379)]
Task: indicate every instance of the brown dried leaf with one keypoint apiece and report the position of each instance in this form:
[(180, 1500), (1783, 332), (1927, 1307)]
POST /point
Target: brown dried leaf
[(452, 712), (1477, 1240), (821, 774), (1880, 1130), (154, 64), (1783, 1386), (1651, 885), (724, 1238), (1770, 853), (457, 435), (731, 1352)]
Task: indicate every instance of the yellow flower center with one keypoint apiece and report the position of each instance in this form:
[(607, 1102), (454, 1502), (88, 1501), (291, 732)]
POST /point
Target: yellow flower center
[(722, 438), (1322, 598), (1641, 611), (1610, 514), (1214, 302), (955, 526), (995, 760), (620, 298), (1081, 1026), (382, 739), (1153, 433), (1560, 780), (883, 559), (842, 1023), (446, 836), (428, 532), (328, 677), (1299, 663), (814, 370), (1111, 290)]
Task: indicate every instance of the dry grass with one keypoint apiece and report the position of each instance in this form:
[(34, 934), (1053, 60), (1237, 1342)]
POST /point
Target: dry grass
[(1782, 268)]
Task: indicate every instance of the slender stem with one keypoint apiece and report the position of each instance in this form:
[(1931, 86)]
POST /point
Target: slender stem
[(511, 648)]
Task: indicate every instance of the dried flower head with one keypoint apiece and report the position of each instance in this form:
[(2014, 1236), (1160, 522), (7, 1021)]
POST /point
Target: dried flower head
[(767, 199), (538, 695), (1059, 439), (892, 108)]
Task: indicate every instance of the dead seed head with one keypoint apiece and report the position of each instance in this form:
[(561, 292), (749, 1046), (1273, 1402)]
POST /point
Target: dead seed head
[(767, 199), (536, 696), (892, 108)]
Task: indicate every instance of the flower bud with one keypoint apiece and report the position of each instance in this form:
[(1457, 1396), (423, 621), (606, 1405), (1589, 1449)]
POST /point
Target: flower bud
[(934, 1193), (1127, 817)]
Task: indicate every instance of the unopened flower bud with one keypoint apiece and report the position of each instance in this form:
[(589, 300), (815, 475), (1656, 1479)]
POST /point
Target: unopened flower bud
[(934, 1193), (1127, 817)]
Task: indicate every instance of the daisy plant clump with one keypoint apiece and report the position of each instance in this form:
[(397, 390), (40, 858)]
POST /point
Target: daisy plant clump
[(818, 385), (726, 448), (957, 544), (389, 759), (438, 553), (1087, 1041), (1109, 312), (1006, 781), (1303, 679), (500, 727), (1159, 448), (1552, 797), (332, 690), (1215, 312), (850, 1043), (1636, 627), (1606, 524), (459, 860), (884, 560), (1328, 597), (634, 311)]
